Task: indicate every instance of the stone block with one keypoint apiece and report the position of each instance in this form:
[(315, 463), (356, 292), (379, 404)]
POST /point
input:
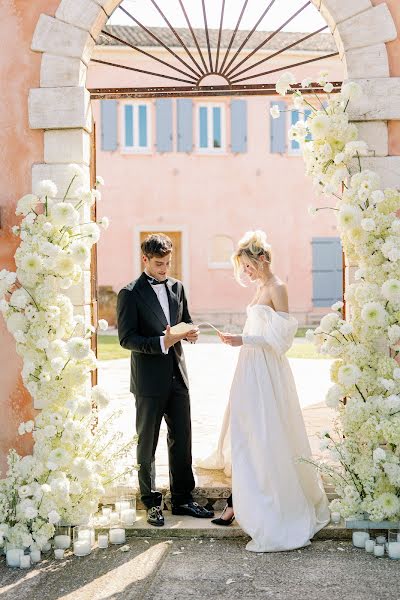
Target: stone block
[(67, 146), (380, 101), (55, 37), (62, 71), (375, 133), (80, 294), (368, 28), (336, 11), (85, 14), (367, 524), (375, 57), (107, 5), (61, 174), (60, 108), (387, 167)]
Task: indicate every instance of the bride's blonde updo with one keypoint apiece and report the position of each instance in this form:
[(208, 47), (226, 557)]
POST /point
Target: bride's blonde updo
[(251, 248)]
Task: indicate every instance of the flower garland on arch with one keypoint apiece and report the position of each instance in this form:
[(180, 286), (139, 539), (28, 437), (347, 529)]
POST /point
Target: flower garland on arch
[(364, 443), (73, 460)]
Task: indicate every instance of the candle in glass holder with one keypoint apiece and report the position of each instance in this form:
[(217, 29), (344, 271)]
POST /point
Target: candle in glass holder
[(369, 545), (128, 516), (394, 550), (24, 561), (13, 556), (381, 539), (35, 556), (103, 521), (379, 550), (102, 540), (335, 517), (106, 511), (122, 505), (359, 538), (59, 553), (114, 518), (82, 547), (117, 536), (62, 541)]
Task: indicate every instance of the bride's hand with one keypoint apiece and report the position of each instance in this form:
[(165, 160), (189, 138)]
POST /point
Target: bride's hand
[(231, 339)]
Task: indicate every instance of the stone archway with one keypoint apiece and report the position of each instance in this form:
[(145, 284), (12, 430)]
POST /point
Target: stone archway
[(61, 105)]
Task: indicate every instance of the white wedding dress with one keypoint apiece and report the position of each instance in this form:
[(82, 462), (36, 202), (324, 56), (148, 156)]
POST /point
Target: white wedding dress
[(279, 502)]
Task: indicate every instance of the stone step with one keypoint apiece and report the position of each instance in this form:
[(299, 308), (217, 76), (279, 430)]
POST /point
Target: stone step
[(189, 528)]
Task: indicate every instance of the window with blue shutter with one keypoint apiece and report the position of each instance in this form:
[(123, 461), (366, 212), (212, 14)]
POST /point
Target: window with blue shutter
[(278, 129), (327, 271), (239, 125), (109, 131), (294, 117), (136, 127), (164, 124), (185, 124), (211, 127)]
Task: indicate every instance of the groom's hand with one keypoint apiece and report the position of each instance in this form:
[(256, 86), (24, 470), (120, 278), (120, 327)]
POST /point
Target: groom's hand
[(192, 336), (172, 338)]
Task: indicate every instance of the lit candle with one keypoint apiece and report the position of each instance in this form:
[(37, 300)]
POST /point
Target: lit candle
[(82, 547), (117, 536), (106, 510), (114, 518), (62, 541), (102, 540), (359, 538), (59, 553), (13, 556), (394, 550), (122, 505), (35, 556), (379, 550), (128, 516), (335, 517), (24, 561), (369, 545)]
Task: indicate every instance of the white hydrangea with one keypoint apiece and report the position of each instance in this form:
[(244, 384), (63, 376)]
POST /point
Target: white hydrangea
[(348, 375)]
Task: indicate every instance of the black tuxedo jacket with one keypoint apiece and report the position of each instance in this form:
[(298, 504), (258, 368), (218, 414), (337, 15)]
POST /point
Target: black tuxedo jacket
[(141, 322)]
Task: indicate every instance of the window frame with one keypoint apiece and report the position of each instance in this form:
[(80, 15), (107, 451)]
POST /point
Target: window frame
[(136, 149), (219, 264), (210, 106)]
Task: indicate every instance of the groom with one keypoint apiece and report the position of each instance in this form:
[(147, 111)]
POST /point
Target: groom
[(146, 309)]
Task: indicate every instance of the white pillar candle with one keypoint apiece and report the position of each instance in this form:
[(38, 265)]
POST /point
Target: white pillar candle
[(13, 556), (59, 553), (398, 537), (369, 545), (35, 556), (82, 547), (359, 538), (103, 521), (102, 540), (62, 541), (128, 516), (379, 550), (106, 510), (381, 539), (87, 534), (335, 517), (394, 550), (117, 536), (46, 547), (122, 505), (114, 518), (24, 561)]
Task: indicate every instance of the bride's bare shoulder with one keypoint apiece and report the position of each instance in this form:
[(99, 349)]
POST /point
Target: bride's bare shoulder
[(279, 295)]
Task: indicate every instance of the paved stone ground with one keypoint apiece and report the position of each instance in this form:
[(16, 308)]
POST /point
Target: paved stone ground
[(206, 569), (211, 367)]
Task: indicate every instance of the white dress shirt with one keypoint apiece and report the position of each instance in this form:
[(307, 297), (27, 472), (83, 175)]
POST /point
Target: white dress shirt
[(162, 296)]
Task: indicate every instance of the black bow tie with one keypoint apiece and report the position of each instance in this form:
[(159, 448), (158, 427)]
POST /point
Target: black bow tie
[(153, 281)]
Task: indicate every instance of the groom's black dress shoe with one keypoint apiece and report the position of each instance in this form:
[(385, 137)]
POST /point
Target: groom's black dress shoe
[(192, 509), (155, 516)]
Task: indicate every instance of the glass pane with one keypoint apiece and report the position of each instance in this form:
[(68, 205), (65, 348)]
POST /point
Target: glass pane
[(217, 137), (143, 126), (203, 116), (128, 125)]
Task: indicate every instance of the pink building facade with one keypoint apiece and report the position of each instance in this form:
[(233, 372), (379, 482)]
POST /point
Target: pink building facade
[(208, 170)]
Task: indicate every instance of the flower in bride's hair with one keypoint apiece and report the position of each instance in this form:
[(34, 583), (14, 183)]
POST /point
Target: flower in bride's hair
[(275, 112)]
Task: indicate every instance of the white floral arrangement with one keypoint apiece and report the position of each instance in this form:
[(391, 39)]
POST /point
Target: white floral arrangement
[(73, 459), (364, 445)]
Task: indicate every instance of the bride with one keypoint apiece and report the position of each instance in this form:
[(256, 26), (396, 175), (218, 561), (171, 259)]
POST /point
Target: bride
[(279, 502)]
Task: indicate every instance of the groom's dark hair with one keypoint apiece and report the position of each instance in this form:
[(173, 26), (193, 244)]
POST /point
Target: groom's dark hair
[(156, 244)]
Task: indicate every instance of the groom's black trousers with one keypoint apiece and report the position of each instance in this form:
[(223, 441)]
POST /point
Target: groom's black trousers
[(174, 405)]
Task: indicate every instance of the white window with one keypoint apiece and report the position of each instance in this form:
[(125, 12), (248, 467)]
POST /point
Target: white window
[(211, 128), (136, 127), (221, 250), (295, 115)]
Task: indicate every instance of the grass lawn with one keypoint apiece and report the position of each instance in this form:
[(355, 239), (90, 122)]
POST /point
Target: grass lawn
[(109, 348)]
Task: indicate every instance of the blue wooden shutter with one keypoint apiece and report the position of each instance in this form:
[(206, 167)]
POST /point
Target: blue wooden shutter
[(239, 125), (278, 133), (185, 124), (327, 270), (109, 135), (164, 124)]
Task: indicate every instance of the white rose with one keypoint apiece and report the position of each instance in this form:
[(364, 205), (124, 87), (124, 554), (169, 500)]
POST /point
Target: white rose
[(103, 324)]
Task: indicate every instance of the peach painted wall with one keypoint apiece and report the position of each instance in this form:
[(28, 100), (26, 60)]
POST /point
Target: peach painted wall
[(19, 68), (209, 195)]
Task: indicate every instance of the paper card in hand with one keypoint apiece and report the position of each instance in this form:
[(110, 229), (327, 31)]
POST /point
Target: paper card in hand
[(182, 328)]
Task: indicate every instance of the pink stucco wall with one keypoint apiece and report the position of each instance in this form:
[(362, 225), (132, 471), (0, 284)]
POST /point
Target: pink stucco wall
[(210, 195)]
